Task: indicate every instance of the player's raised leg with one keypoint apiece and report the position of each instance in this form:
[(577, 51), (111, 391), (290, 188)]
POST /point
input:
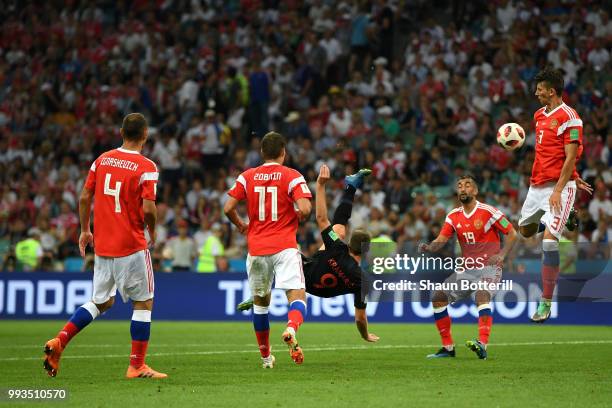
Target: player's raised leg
[(80, 319), (443, 323), (555, 222), (550, 274)]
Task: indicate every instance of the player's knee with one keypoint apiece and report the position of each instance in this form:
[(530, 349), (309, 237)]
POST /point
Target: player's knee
[(439, 300), (482, 297), (528, 230), (143, 305), (103, 307)]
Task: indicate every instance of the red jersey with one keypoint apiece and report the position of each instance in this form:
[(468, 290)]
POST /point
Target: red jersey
[(120, 180), (553, 131), (477, 232), (270, 191)]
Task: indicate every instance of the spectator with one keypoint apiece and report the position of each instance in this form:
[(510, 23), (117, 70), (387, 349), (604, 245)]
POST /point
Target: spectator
[(29, 252), (211, 250), (181, 249)]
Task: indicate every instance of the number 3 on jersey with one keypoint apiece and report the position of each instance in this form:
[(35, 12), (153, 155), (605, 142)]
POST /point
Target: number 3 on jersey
[(261, 191), (113, 192)]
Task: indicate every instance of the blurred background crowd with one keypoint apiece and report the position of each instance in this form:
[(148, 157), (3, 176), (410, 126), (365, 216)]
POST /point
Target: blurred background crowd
[(413, 89)]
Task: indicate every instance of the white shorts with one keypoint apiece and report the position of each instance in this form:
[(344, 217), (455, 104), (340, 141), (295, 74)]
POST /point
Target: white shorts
[(489, 274), (132, 275), (537, 209), (284, 267)]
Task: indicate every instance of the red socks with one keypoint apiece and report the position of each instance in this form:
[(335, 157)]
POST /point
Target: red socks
[(485, 321), (550, 274), (443, 323), (263, 339), (67, 333), (261, 325), (297, 311), (139, 351)]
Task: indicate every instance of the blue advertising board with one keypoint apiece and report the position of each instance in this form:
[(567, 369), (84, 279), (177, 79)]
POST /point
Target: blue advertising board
[(193, 296)]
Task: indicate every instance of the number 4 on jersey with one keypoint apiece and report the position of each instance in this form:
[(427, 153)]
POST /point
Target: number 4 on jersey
[(113, 192)]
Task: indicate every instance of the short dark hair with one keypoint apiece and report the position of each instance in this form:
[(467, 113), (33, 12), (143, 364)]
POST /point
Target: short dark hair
[(359, 242), (272, 145), (553, 78), (133, 127), (468, 176)]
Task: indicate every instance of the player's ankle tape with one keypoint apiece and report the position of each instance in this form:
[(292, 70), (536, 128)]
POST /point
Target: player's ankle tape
[(484, 309), (440, 312), (260, 309), (550, 249)]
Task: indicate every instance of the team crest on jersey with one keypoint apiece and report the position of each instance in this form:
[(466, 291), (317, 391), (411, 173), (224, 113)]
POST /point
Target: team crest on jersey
[(478, 224), (554, 123)]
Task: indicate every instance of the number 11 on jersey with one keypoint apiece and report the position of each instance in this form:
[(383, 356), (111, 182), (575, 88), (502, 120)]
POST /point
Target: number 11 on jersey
[(261, 191)]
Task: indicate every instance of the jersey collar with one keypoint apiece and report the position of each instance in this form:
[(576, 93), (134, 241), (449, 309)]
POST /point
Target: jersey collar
[(122, 150), (472, 212), (271, 164), (552, 111)]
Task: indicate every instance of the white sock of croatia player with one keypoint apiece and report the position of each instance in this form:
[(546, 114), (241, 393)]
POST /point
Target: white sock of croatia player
[(81, 318), (261, 324), (550, 267), (297, 311), (140, 329), (443, 323), (485, 321)]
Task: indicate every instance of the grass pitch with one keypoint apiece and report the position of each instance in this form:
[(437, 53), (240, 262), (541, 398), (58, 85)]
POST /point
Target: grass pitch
[(218, 365)]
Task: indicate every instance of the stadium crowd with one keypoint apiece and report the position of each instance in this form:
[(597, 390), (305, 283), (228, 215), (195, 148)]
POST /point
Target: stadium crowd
[(413, 92)]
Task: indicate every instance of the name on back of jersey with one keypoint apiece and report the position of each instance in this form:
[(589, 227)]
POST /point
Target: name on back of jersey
[(119, 163), (267, 176)]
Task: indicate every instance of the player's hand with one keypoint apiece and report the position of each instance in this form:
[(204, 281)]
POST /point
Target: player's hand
[(555, 202), (243, 228), (86, 238), (496, 260), (583, 185), (372, 338), (152, 239), (324, 175), (423, 247)]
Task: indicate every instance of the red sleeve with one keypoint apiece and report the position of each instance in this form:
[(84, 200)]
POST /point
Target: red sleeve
[(238, 190), (297, 187), (90, 183), (148, 181), (447, 229), (573, 134), (503, 225)]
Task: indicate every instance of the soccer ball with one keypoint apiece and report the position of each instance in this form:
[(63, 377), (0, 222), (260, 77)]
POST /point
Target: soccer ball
[(510, 136)]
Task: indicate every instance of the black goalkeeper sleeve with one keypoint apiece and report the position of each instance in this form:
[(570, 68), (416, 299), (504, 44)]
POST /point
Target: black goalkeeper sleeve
[(343, 212)]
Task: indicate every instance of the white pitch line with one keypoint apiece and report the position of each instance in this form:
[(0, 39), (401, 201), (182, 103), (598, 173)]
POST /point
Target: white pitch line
[(72, 346), (309, 349)]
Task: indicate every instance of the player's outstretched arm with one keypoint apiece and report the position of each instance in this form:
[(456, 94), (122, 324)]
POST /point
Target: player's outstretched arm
[(435, 245), (230, 212), (86, 237), (150, 218), (321, 198), (361, 320)]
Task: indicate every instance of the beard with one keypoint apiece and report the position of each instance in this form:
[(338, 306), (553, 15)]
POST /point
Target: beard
[(465, 199)]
